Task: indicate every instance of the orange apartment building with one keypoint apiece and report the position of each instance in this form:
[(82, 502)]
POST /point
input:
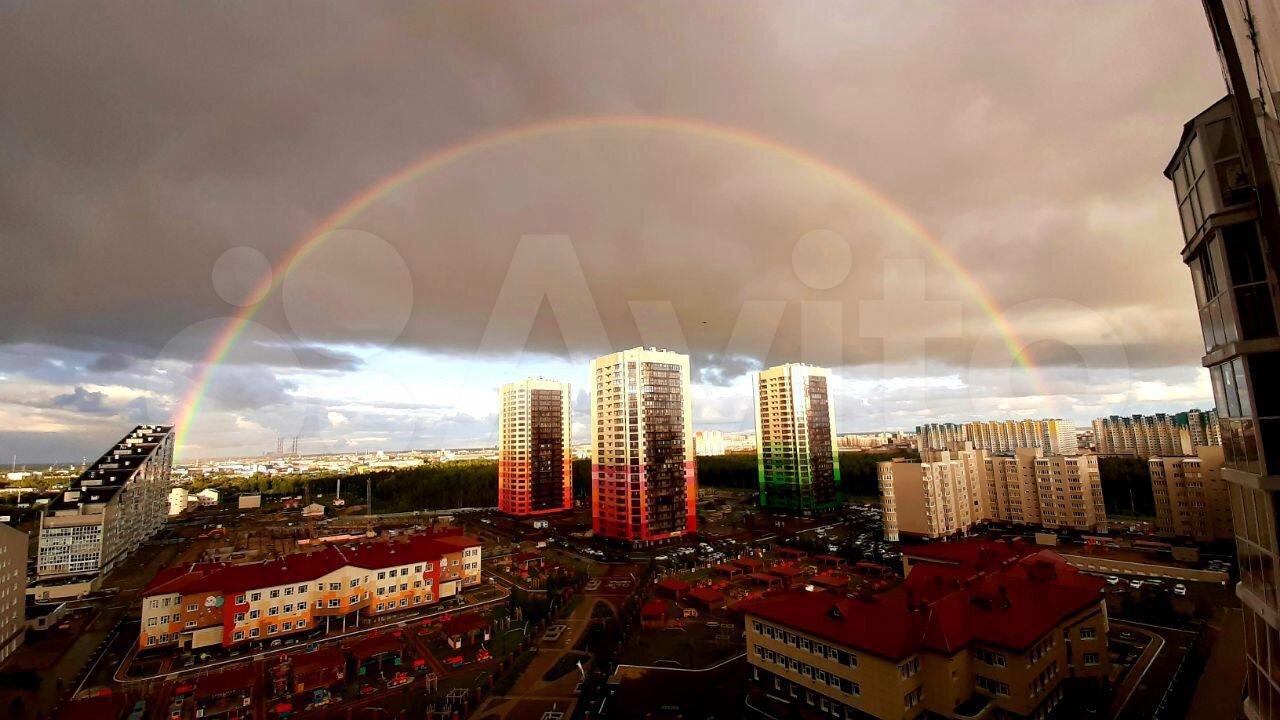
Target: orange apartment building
[(205, 604)]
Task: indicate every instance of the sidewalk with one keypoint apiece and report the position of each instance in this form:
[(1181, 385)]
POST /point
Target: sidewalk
[(1219, 691)]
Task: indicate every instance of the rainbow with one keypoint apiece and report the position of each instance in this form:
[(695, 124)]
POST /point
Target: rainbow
[(441, 158)]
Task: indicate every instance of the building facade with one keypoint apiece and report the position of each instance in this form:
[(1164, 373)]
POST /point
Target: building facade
[(939, 436), (1069, 492), (1225, 181), (1053, 435), (940, 496), (1140, 435), (1202, 430), (1192, 500), (13, 589), (1000, 644), (643, 474), (205, 604), (952, 490), (795, 438), (708, 442), (535, 459), (113, 507), (1013, 495)]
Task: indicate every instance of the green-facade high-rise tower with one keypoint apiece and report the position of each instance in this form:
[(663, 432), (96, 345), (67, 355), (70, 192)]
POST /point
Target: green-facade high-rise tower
[(795, 438)]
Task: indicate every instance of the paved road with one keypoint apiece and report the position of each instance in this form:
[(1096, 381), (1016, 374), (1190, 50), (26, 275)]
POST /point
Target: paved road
[(1150, 677), (531, 689)]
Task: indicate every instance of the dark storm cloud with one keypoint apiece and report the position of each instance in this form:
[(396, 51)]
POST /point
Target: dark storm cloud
[(1029, 139), (82, 401), (247, 388), (110, 362), (143, 140)]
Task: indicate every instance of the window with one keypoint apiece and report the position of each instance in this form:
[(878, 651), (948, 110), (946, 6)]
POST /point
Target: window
[(335, 586), (253, 632), (995, 687), (272, 629), (239, 599), (273, 610), (1091, 658), (993, 659), (191, 608), (909, 668), (255, 597), (913, 698), (238, 635), (301, 624), (334, 602), (355, 582), (274, 594), (253, 614), (1088, 633), (239, 617)]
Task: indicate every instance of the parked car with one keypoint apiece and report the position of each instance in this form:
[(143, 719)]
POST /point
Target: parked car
[(1113, 580), (1135, 584), (1179, 589)]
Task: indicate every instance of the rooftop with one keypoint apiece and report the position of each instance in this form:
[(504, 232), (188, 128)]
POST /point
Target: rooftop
[(944, 607), (101, 480), (303, 567)]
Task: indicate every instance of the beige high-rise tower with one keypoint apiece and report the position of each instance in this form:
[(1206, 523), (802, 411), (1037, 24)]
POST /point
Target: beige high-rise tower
[(643, 474), (535, 462)]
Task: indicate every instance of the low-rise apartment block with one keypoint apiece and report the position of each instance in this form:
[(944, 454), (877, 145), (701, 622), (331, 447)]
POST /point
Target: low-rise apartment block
[(206, 604), (940, 496), (952, 490), (1069, 491), (1192, 500), (113, 507), (977, 632)]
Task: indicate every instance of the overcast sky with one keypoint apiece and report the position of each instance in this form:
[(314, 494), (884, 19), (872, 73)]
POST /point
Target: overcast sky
[(159, 159)]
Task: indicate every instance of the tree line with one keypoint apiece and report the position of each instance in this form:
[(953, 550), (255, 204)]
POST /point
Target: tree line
[(1126, 482), (474, 483)]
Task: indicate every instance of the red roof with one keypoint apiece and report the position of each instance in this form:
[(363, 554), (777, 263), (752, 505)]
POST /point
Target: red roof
[(303, 567), (970, 553), (943, 608), (654, 608), (227, 681), (830, 580), (466, 623), (674, 584), (749, 562), (375, 645), (706, 595), (728, 568), (318, 660), (786, 571)]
